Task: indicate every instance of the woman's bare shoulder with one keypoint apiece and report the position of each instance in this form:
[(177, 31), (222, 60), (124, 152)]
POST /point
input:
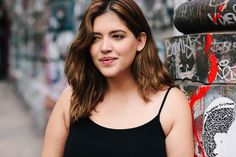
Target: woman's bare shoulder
[(64, 99), (58, 126), (177, 101), (176, 108), (178, 112), (175, 96), (63, 104), (179, 97)]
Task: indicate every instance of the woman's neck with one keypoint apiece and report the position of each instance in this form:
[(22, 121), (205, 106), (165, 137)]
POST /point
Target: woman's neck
[(121, 85)]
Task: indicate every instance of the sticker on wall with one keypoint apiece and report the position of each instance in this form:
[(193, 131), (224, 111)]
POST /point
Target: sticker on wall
[(219, 128)]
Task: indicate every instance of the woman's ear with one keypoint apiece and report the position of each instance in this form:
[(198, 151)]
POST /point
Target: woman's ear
[(142, 38)]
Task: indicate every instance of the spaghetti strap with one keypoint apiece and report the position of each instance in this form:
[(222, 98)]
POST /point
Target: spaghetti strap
[(163, 102)]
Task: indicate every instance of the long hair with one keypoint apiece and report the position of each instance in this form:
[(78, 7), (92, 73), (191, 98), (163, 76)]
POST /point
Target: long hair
[(88, 84)]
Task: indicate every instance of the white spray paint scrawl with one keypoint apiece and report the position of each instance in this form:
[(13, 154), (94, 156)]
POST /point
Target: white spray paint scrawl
[(219, 128)]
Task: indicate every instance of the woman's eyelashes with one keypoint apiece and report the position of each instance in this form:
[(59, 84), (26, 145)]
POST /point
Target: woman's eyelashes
[(96, 38), (113, 36), (118, 36)]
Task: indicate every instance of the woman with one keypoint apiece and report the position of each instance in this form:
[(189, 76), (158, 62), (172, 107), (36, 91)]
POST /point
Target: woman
[(120, 101)]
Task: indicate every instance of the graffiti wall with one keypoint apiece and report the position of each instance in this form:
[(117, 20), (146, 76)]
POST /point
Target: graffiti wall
[(204, 65), (188, 60), (206, 15)]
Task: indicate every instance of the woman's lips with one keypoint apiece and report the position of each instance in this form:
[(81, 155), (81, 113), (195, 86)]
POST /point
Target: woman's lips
[(107, 60)]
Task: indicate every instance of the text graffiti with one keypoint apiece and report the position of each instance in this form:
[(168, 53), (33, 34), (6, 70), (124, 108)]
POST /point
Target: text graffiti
[(218, 17), (223, 47), (184, 46), (217, 3), (226, 72), (183, 49)]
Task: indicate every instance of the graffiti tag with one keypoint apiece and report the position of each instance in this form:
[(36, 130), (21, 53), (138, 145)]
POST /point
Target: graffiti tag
[(226, 72), (218, 17)]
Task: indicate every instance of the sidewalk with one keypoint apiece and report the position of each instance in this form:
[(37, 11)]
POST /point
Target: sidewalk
[(18, 134)]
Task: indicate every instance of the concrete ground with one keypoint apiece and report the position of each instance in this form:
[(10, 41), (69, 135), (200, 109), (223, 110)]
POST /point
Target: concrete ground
[(19, 136)]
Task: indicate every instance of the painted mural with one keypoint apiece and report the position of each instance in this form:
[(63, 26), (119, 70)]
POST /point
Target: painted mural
[(219, 17), (220, 114), (206, 15), (188, 59), (204, 67)]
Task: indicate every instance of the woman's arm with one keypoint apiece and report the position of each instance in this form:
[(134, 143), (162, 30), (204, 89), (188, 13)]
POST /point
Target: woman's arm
[(57, 127), (179, 141)]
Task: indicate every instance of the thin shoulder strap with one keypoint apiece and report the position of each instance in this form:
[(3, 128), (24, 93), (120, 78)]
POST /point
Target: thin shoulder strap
[(163, 102)]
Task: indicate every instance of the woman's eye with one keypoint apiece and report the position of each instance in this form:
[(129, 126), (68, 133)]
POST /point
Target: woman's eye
[(95, 38), (118, 36)]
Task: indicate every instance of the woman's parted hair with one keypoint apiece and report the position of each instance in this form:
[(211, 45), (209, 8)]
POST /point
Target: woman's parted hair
[(88, 84)]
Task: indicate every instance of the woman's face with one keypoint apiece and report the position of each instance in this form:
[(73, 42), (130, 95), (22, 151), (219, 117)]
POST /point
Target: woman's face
[(114, 46)]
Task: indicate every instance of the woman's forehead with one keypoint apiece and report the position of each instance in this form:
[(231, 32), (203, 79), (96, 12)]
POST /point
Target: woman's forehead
[(108, 20)]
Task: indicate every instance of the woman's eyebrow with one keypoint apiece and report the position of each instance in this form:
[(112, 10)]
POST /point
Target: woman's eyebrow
[(96, 33), (112, 32), (117, 31)]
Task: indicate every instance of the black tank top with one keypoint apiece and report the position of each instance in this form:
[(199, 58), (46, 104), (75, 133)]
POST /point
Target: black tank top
[(88, 139)]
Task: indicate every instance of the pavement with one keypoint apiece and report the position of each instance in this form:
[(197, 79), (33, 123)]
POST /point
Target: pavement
[(19, 135)]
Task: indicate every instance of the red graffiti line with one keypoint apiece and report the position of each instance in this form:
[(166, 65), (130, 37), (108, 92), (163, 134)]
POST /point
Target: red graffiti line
[(216, 16), (212, 58), (201, 92), (221, 8)]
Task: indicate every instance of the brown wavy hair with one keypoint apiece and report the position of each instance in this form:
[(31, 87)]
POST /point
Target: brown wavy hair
[(88, 84)]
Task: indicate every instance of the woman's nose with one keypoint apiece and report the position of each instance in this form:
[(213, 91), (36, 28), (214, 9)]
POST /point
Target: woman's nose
[(106, 46)]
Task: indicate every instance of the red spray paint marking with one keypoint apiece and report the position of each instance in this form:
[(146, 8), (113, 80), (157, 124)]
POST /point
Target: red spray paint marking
[(201, 92), (216, 16), (213, 60), (221, 8)]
